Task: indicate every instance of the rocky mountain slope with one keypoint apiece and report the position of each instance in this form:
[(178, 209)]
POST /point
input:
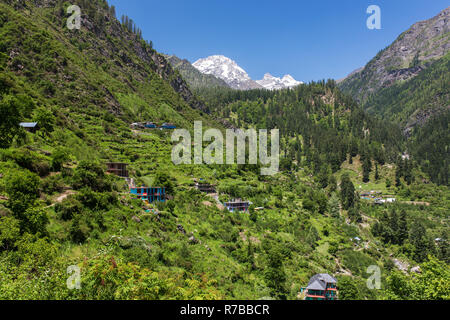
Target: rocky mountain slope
[(411, 53)]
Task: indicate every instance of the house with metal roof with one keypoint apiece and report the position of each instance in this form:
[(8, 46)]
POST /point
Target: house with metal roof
[(150, 125), (30, 126), (322, 286), (168, 126)]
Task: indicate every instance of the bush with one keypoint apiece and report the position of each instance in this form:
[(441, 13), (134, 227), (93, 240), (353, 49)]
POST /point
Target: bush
[(23, 189), (91, 174), (59, 157), (95, 200), (53, 184), (27, 160), (35, 221), (67, 209)]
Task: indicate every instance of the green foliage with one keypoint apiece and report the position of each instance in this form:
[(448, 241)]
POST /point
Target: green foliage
[(9, 232), (348, 196), (163, 179), (274, 273), (91, 174), (23, 189), (35, 220), (9, 126), (431, 284), (45, 119), (348, 289), (59, 157), (334, 206)]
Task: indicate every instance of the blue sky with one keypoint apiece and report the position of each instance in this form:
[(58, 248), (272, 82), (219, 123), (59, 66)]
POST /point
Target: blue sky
[(311, 40)]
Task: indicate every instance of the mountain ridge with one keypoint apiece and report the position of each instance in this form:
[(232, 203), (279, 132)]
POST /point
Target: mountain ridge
[(412, 52)]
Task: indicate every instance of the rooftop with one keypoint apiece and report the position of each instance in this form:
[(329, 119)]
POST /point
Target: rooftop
[(28, 124), (319, 281)]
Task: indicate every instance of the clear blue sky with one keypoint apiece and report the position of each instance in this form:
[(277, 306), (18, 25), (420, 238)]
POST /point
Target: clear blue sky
[(311, 40)]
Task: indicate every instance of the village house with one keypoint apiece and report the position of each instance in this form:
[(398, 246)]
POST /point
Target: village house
[(205, 187), (237, 205), (137, 125), (322, 286), (30, 126), (117, 168), (149, 194), (150, 125), (168, 126)]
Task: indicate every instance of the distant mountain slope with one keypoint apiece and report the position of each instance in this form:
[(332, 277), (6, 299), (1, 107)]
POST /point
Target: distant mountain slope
[(413, 51), (413, 102), (193, 77)]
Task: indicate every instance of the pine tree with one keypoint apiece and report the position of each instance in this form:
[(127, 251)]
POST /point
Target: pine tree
[(377, 174), (402, 232), (366, 169), (333, 204), (348, 197)]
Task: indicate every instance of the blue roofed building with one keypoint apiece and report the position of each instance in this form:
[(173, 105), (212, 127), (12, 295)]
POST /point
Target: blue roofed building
[(168, 126)]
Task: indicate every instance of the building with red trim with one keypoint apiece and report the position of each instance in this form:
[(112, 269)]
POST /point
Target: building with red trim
[(322, 286)]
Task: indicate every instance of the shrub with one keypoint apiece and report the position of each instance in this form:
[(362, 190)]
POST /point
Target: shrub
[(53, 184), (91, 174), (67, 209), (23, 189), (95, 200), (59, 157)]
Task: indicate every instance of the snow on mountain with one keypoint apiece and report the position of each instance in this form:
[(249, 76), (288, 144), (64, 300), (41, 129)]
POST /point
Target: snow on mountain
[(273, 83), (236, 77), (226, 69)]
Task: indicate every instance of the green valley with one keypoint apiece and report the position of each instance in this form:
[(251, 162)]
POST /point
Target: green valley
[(60, 206)]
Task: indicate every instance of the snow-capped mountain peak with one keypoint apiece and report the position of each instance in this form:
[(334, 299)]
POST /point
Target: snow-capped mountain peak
[(237, 78), (227, 70), (273, 83)]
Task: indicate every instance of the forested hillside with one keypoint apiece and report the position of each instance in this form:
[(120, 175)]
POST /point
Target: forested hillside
[(60, 209), (408, 83), (321, 127)]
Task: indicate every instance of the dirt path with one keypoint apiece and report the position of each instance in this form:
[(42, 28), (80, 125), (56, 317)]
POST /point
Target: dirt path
[(61, 197)]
